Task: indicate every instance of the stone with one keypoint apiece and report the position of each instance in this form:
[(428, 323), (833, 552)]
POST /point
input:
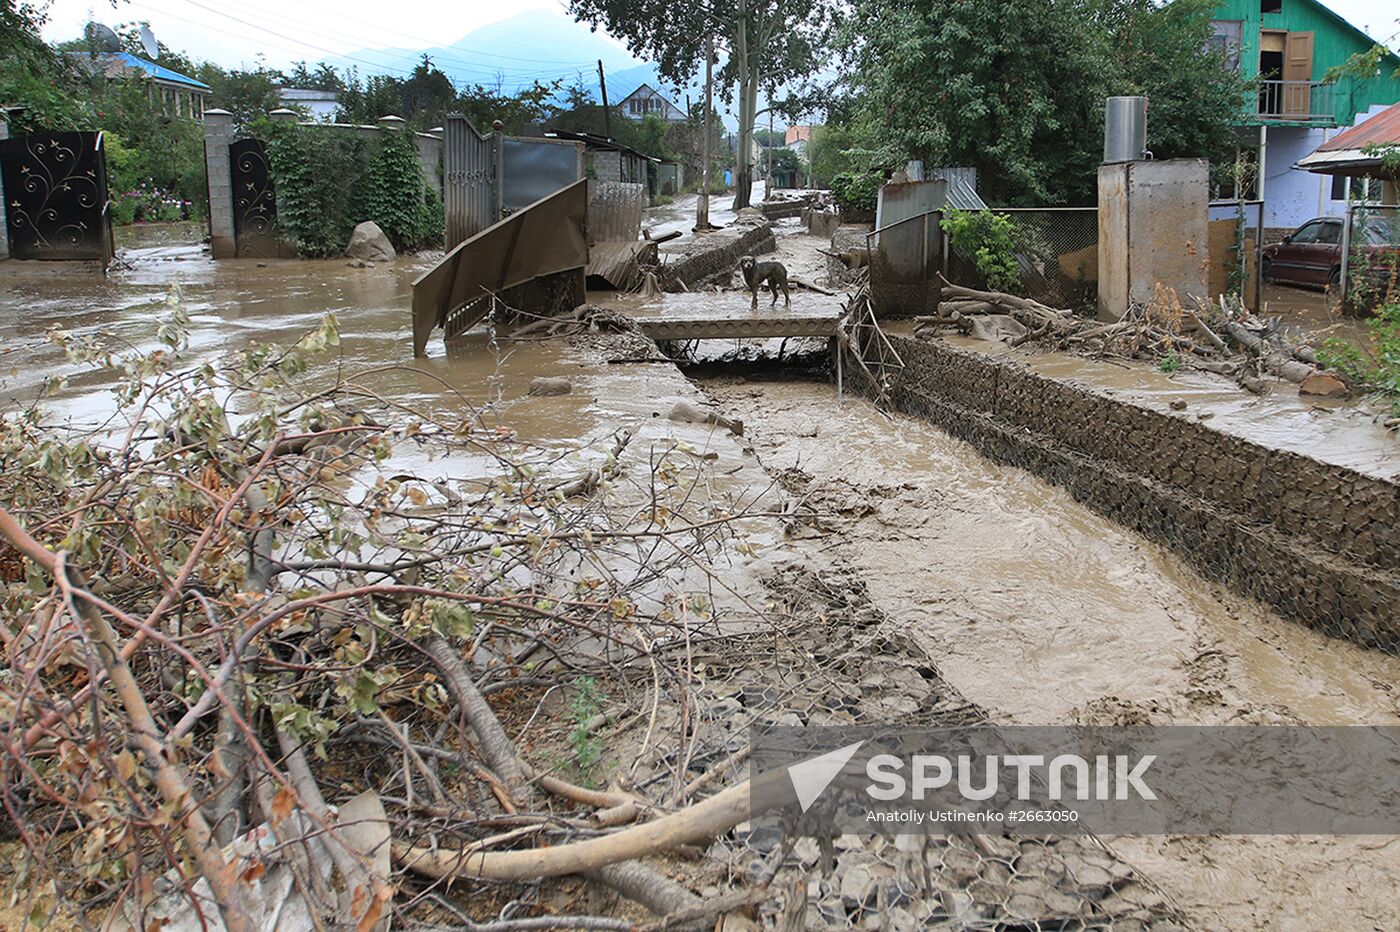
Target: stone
[(1323, 385), (368, 242), (547, 386), (858, 887), (1178, 404)]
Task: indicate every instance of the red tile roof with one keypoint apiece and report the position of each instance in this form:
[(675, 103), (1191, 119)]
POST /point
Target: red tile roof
[(1382, 129)]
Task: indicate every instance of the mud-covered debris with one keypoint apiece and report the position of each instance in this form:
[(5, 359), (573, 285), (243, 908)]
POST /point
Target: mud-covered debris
[(546, 386), (687, 413)]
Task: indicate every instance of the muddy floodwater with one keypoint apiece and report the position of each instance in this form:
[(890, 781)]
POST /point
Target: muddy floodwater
[(1033, 606), (236, 304), (1043, 612)]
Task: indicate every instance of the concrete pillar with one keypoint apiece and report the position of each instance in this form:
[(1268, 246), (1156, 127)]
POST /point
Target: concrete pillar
[(393, 123), (282, 115), (218, 135), (4, 224)]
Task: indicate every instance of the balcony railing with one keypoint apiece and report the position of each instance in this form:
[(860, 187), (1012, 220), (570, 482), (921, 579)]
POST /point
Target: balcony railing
[(1292, 102)]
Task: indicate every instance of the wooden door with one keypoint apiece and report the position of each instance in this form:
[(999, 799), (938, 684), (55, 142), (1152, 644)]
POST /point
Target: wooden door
[(1297, 72)]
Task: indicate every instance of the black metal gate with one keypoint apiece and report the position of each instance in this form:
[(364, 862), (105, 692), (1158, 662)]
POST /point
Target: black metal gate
[(254, 202), (55, 190)]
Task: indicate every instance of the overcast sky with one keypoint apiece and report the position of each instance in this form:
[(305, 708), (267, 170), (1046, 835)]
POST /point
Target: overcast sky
[(234, 34)]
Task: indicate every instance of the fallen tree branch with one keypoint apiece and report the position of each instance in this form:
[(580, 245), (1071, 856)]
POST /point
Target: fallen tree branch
[(169, 778), (496, 745), (701, 822)]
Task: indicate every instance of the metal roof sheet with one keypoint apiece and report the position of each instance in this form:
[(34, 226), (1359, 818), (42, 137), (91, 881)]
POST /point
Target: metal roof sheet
[(1381, 129)]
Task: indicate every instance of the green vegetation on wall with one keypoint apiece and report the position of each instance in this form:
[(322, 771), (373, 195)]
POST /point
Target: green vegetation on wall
[(328, 180)]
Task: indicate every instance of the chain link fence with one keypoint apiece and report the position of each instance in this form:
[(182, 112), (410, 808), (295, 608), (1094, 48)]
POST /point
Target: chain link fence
[(1370, 258), (1057, 250), (1235, 249)]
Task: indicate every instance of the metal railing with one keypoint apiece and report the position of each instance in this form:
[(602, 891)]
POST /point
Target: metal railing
[(1292, 101)]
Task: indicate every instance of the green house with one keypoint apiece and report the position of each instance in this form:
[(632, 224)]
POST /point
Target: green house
[(1285, 48)]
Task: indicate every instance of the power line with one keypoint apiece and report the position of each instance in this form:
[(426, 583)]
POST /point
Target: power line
[(239, 35), (422, 41), (310, 45), (304, 44)]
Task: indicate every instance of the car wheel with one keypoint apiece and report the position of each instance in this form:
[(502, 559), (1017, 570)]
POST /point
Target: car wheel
[(1266, 272), (1334, 281)]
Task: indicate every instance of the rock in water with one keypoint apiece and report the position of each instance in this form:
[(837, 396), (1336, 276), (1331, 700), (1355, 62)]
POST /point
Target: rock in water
[(550, 385), (1323, 385), (369, 243)]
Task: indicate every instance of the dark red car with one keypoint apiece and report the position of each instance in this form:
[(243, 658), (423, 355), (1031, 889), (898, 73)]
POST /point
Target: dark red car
[(1312, 254)]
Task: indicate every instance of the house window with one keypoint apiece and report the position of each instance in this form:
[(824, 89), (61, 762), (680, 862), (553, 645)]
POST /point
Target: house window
[(1226, 40), (1270, 6)]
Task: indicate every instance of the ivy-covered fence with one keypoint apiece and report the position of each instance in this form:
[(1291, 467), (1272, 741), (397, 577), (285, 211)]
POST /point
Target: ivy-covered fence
[(323, 179)]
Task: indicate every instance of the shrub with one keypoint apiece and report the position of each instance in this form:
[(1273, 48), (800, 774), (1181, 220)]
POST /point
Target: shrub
[(985, 238), (328, 180), (316, 172), (396, 194), (1375, 367), (857, 191), (148, 202)]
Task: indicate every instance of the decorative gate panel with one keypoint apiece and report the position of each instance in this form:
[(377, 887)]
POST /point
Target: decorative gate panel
[(254, 201), (471, 180), (55, 189)]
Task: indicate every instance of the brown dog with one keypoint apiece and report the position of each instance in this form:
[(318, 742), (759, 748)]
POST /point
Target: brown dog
[(757, 274)]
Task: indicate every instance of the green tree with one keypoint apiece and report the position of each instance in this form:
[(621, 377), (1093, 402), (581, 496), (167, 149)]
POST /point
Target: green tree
[(248, 95), (152, 147), (1017, 90), (829, 152), (767, 43), (32, 76)]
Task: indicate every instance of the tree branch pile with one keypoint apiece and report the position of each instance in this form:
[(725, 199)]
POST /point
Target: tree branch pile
[(237, 605), (1221, 338)]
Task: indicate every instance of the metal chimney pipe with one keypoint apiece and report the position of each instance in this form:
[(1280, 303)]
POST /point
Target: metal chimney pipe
[(1125, 129)]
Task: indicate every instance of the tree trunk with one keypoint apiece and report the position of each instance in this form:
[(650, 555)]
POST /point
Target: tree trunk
[(748, 104), (702, 206)]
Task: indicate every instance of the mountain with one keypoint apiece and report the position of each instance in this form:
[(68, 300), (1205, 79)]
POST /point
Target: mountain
[(534, 45)]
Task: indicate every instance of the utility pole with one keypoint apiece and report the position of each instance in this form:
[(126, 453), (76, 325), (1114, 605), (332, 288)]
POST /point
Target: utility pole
[(607, 115), (768, 184), (702, 206)]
